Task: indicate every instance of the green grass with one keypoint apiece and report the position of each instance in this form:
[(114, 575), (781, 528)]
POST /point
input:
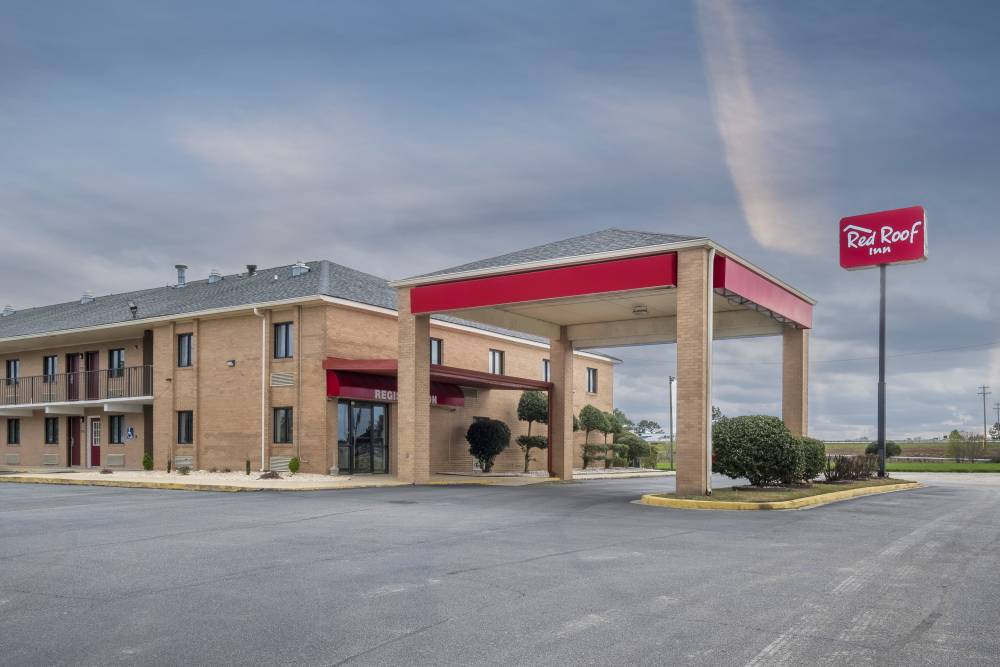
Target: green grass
[(754, 495), (664, 466), (950, 466), (938, 448)]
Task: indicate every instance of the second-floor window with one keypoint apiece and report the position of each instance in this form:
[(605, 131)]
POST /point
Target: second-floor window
[(52, 430), (437, 351), (546, 370), (591, 380), (184, 359), (49, 368), (116, 429), (282, 426), (13, 431), (116, 362), (496, 362), (13, 370), (283, 340), (185, 427)]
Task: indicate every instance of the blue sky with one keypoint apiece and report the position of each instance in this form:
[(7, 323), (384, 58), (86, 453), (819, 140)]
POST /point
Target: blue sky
[(399, 138)]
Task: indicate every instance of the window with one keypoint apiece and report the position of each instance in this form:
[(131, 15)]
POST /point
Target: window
[(282, 426), (591, 380), (116, 362), (283, 340), (116, 429), (49, 368), (185, 427), (496, 362), (184, 359), (52, 430), (13, 431), (13, 371), (546, 370), (437, 351)]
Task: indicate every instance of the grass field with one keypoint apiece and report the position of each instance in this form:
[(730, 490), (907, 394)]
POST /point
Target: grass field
[(948, 466), (933, 449), (754, 495)]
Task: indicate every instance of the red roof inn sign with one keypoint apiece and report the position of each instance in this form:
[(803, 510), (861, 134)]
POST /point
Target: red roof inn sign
[(889, 237)]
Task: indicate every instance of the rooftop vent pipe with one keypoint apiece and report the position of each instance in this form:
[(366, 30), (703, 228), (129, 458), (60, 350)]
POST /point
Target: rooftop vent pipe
[(299, 268), (181, 274), (214, 276), (251, 269), (7, 310), (87, 297)]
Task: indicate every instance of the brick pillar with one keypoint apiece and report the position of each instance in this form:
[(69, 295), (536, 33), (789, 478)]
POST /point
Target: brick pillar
[(795, 380), (413, 431), (693, 369), (561, 417)]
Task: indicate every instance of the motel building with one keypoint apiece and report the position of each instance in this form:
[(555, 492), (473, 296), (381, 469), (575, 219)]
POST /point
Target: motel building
[(353, 374)]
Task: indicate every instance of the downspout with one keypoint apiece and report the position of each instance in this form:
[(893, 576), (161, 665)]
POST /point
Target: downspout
[(263, 386), (710, 317)]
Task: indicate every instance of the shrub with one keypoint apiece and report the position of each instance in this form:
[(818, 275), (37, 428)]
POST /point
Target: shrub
[(270, 474), (813, 455), (227, 470), (759, 448), (248, 466), (842, 468), (635, 447), (532, 407), (147, 462), (891, 449), (487, 438), (592, 419), (183, 470), (529, 442), (293, 465), (213, 469)]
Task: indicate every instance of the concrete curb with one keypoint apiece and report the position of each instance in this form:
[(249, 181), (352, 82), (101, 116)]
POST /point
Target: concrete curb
[(181, 486), (798, 503)]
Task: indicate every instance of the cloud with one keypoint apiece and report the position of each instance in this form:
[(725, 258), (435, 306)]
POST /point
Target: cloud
[(771, 129)]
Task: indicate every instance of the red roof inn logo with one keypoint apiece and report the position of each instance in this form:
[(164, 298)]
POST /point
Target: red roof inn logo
[(887, 237)]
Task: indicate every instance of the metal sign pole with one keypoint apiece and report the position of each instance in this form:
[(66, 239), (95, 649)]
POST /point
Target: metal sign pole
[(881, 372)]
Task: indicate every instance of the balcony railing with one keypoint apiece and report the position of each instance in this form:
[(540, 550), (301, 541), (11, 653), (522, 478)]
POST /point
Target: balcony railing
[(128, 382)]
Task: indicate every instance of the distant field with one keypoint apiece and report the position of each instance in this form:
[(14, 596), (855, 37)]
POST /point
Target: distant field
[(934, 449), (916, 466)]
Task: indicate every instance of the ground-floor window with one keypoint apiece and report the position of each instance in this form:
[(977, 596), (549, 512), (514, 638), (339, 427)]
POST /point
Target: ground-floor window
[(13, 431), (362, 437), (116, 429), (52, 430), (282, 426), (185, 427)]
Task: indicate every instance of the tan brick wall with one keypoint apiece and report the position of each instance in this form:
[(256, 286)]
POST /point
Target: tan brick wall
[(692, 371), (795, 380)]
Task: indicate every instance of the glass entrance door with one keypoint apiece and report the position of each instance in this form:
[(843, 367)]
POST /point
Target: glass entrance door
[(363, 437)]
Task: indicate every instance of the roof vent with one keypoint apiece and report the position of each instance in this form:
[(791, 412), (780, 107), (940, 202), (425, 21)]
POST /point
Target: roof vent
[(87, 297), (181, 274), (214, 276), (299, 268), (251, 269), (7, 310)]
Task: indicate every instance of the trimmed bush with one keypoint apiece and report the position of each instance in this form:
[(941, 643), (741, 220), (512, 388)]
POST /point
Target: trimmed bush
[(891, 449), (293, 465), (813, 455), (848, 468), (487, 438), (147, 462), (183, 470), (592, 419), (636, 448), (758, 447), (532, 407), (529, 442)]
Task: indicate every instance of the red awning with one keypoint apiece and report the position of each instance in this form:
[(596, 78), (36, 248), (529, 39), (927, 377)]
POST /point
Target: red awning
[(440, 375), (346, 384)]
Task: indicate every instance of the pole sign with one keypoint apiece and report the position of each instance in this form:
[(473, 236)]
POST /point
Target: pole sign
[(887, 237)]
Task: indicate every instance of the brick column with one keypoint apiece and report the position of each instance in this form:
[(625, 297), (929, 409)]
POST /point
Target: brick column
[(693, 369), (561, 417), (413, 431), (795, 380)]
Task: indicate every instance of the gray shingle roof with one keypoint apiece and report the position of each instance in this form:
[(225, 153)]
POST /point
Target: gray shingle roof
[(267, 285), (606, 240)]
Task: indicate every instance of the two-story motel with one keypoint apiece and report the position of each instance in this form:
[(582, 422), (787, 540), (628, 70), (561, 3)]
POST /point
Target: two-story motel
[(265, 365)]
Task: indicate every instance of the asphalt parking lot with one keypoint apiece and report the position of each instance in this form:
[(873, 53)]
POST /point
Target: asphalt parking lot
[(563, 574)]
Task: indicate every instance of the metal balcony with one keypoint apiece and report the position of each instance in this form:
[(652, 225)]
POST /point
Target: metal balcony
[(102, 385)]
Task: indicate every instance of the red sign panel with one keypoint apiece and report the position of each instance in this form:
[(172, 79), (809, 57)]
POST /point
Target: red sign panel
[(887, 237), (365, 387)]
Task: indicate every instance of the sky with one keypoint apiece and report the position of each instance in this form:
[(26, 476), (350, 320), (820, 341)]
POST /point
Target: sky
[(400, 138)]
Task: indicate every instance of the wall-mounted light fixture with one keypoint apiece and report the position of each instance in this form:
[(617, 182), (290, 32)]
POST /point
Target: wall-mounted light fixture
[(231, 363)]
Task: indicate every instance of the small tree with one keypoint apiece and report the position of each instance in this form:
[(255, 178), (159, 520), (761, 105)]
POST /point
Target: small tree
[(995, 431), (646, 427), (717, 414), (533, 407), (623, 419), (891, 449), (613, 426), (592, 419), (487, 438), (633, 447)]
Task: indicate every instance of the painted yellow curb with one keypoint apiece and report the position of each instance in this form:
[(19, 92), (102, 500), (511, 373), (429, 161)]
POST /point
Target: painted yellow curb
[(797, 503)]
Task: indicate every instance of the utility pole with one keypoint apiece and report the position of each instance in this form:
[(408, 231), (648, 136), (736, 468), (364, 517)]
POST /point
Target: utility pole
[(670, 405), (881, 371), (984, 391)]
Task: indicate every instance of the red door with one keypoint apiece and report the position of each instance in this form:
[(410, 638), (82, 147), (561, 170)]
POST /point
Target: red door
[(91, 364), (95, 442), (72, 378), (73, 429)]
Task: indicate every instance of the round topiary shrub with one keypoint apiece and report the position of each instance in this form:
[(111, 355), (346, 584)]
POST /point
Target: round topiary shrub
[(487, 438), (813, 458), (758, 447), (891, 449), (294, 464)]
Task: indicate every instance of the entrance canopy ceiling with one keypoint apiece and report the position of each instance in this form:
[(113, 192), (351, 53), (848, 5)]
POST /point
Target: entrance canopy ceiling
[(623, 296)]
